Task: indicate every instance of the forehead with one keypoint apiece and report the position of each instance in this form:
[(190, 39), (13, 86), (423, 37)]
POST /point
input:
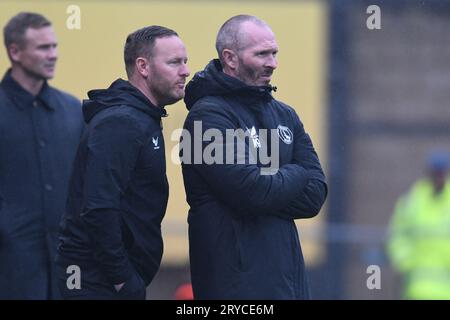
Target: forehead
[(41, 35), (255, 36), (168, 47)]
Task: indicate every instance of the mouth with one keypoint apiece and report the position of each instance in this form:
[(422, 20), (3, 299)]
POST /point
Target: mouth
[(266, 78), (180, 85), (267, 73)]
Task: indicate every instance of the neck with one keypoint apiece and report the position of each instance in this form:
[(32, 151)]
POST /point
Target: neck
[(141, 85), (31, 84)]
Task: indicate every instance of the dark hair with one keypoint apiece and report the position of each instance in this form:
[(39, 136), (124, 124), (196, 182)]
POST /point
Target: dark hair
[(15, 29), (141, 42), (229, 35)]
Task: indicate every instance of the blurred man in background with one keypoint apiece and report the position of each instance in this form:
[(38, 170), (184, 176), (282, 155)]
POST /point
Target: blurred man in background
[(40, 128), (118, 192), (419, 244), (242, 237)]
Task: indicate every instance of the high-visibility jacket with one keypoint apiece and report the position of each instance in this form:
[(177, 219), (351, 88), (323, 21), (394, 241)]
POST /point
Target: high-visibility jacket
[(419, 243)]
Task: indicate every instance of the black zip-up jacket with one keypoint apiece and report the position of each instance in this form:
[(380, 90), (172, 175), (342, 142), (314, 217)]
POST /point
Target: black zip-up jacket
[(243, 240), (118, 191)]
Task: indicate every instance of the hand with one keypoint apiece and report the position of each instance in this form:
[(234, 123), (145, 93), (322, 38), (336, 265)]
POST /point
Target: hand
[(119, 286)]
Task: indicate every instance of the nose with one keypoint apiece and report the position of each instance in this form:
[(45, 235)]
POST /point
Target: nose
[(52, 53), (272, 62), (185, 71)]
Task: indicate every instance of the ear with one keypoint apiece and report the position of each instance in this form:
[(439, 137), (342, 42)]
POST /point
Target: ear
[(14, 52), (143, 67), (230, 58)]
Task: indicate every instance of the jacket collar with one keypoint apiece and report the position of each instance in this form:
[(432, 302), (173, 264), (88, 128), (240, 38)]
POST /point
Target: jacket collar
[(21, 98)]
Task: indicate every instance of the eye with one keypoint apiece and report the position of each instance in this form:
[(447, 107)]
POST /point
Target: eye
[(175, 62), (46, 47)]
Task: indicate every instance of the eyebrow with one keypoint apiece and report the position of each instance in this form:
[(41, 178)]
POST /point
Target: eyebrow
[(267, 50), (52, 44)]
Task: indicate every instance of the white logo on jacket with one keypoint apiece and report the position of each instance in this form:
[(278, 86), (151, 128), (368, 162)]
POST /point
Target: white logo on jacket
[(285, 134), (254, 136), (213, 146), (155, 143)]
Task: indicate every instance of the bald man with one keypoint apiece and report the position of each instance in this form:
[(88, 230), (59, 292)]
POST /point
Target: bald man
[(243, 240)]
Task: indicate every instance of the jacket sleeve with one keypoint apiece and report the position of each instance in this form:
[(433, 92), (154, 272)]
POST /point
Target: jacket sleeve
[(312, 197), (240, 184), (401, 243), (113, 147)]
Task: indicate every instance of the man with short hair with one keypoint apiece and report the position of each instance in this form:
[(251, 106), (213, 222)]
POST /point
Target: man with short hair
[(242, 237), (111, 231), (40, 128)]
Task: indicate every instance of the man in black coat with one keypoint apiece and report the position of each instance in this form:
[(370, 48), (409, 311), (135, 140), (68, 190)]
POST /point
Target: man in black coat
[(110, 242), (242, 237), (40, 128)]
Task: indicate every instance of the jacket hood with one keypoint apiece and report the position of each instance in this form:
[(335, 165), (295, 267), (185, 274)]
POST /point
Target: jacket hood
[(212, 81), (120, 92)]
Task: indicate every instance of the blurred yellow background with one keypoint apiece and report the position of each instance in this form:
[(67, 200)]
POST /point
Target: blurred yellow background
[(92, 57)]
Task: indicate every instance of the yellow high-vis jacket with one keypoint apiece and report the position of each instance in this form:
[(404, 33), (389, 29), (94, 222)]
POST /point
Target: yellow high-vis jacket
[(419, 242)]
